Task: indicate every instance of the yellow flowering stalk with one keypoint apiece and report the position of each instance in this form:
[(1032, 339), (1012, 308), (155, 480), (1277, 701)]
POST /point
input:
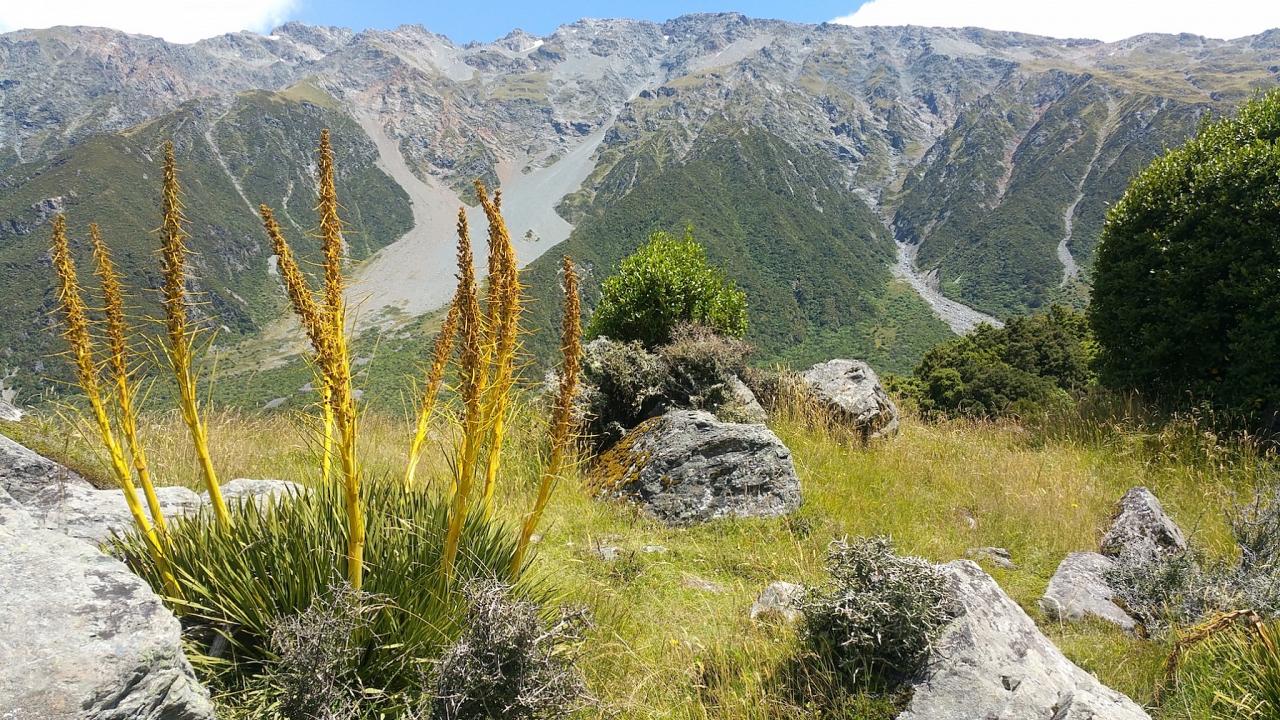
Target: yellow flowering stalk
[(76, 318), (562, 417), (435, 378), (173, 252)]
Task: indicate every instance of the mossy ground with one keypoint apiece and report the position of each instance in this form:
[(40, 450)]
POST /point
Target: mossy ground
[(672, 635)]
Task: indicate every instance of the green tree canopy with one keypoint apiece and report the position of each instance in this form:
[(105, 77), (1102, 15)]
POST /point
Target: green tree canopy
[(663, 284), (1186, 298), (1027, 364)]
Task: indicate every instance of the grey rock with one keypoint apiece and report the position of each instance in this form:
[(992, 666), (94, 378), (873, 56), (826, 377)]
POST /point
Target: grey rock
[(995, 555), (852, 391), (10, 412), (1141, 529), (96, 515), (26, 475), (744, 407), (260, 491), (275, 403), (686, 467), (653, 549), (1079, 590), (779, 600), (694, 582), (993, 663), (608, 553), (83, 637)]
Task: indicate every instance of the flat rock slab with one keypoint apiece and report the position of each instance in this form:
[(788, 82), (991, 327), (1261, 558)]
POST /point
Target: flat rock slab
[(992, 663), (96, 515), (1079, 590), (852, 391), (1141, 530), (686, 467), (84, 638), (259, 491)]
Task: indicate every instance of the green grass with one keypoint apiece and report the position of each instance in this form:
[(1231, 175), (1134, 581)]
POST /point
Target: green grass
[(673, 638)]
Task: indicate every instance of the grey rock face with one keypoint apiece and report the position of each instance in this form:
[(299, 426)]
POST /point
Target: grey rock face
[(686, 467), (27, 475), (95, 515), (83, 637), (1079, 590), (744, 407), (993, 663), (1142, 530), (852, 390), (995, 555), (779, 600), (261, 491), (9, 411)]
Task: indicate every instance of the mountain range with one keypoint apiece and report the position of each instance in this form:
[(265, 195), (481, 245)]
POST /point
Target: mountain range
[(874, 190)]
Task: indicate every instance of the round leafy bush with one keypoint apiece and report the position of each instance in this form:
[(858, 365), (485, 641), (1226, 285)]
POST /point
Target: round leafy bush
[(877, 617), (663, 284), (1186, 296)]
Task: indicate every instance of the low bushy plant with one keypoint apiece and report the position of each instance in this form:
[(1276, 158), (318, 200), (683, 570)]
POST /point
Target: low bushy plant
[(701, 366), (315, 675), (623, 386), (668, 281), (878, 615), (509, 663), (279, 559)]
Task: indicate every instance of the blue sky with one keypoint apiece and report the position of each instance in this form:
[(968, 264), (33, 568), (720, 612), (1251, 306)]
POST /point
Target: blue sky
[(465, 22)]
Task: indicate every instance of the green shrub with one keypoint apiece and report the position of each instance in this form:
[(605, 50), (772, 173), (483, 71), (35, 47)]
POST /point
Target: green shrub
[(623, 385), (663, 284), (877, 617), (1186, 297), (510, 663), (1024, 367), (279, 559)]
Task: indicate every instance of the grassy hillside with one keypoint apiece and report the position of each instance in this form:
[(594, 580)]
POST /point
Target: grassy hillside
[(673, 638), (812, 257), (233, 154)]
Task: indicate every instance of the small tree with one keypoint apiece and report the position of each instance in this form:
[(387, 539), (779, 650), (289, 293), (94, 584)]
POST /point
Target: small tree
[(1186, 297), (663, 284)]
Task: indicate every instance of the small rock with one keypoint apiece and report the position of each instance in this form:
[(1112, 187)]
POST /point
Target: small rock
[(10, 412), (260, 491), (1079, 590), (83, 637), (274, 403), (1142, 530), (780, 600), (744, 407), (995, 555), (852, 390), (685, 467), (653, 549), (992, 662), (702, 584), (608, 553)]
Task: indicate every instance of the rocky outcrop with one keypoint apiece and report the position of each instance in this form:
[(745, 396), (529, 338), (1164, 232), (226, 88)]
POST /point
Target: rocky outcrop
[(96, 515), (82, 636), (778, 601), (686, 467), (27, 476), (260, 492), (1141, 530), (851, 390), (993, 663), (10, 412), (1079, 590), (743, 407)]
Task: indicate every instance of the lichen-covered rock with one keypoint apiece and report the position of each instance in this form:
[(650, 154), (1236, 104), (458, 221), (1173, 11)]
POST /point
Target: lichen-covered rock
[(82, 637), (779, 600), (27, 475), (1079, 590), (995, 555), (1141, 530), (853, 393), (743, 407), (993, 663), (686, 467)]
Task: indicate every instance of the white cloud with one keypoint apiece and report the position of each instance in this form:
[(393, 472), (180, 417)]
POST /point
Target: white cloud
[(1108, 20), (181, 21)]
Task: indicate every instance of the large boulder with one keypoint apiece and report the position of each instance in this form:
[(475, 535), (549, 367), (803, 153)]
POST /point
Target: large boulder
[(993, 663), (1079, 590), (96, 515), (82, 637), (26, 475), (1141, 530), (685, 467), (851, 390)]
